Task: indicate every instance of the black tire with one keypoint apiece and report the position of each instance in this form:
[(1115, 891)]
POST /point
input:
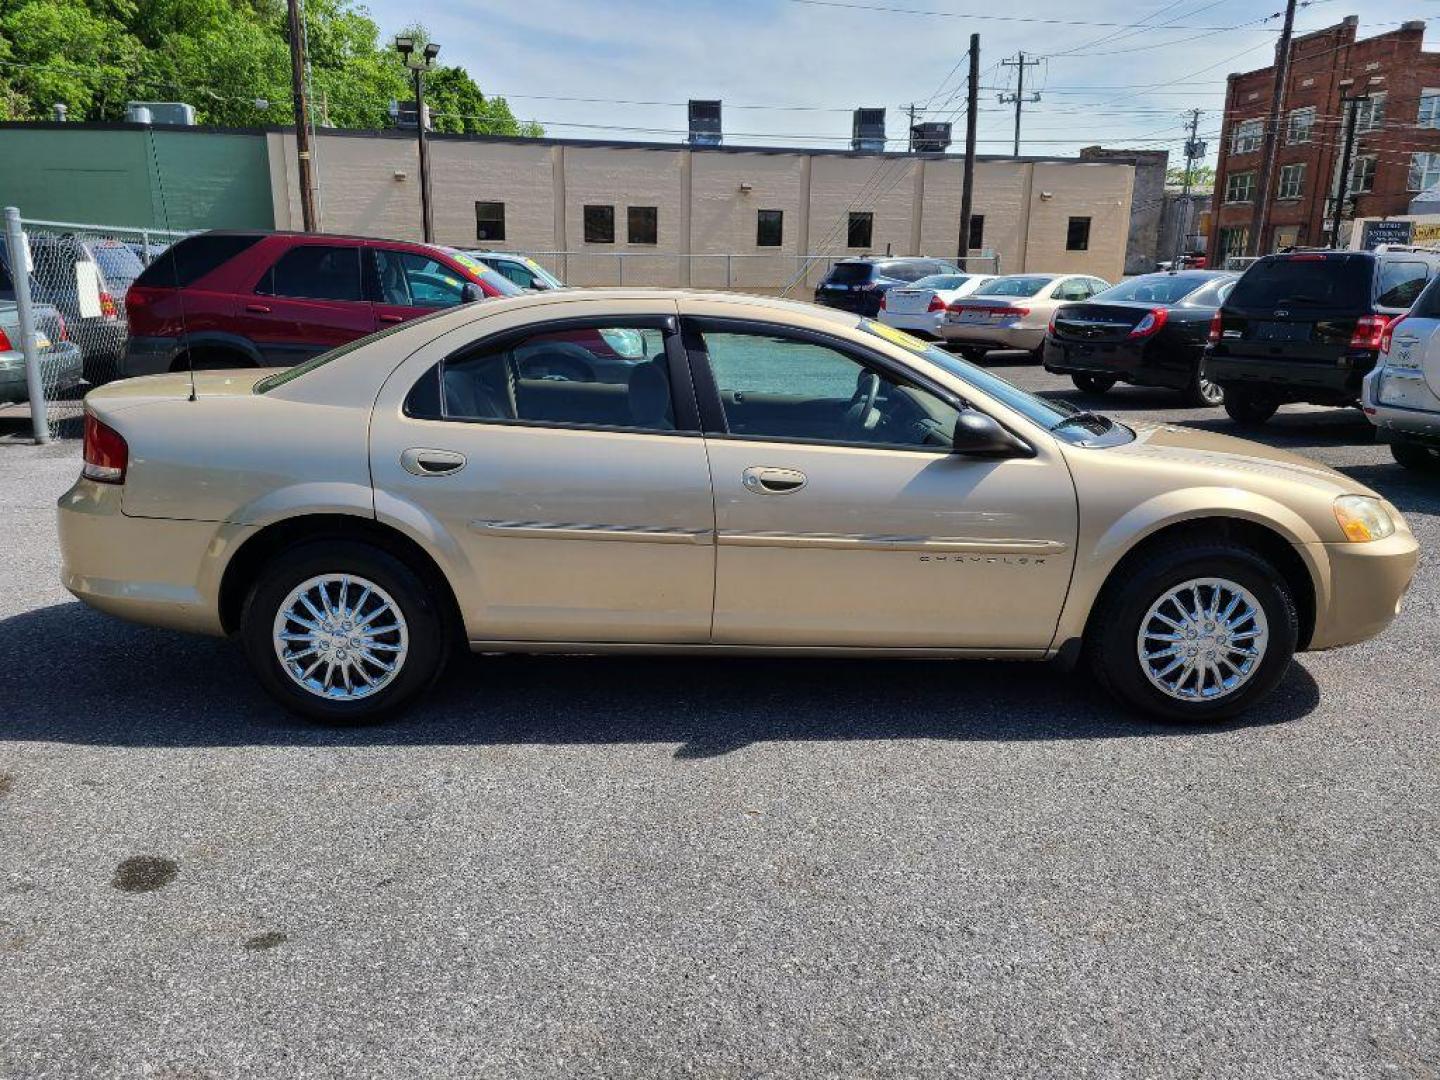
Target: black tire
[(1092, 384), (972, 353), (1249, 409), (1204, 394), (420, 666), (1415, 456), (1111, 642)]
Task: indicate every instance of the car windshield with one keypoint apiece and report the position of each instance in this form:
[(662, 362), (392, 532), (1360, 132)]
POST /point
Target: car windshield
[(942, 281), (1155, 288), (1305, 281), (849, 273), (1022, 285), (1064, 420)]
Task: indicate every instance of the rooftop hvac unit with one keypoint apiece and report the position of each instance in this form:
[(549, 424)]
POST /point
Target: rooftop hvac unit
[(402, 115), (704, 123), (173, 113), (869, 131), (930, 138)]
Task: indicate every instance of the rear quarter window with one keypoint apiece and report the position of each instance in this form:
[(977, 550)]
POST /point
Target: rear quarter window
[(190, 259), (1401, 282)]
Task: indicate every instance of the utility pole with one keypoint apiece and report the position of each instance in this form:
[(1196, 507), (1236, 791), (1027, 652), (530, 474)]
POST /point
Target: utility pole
[(1019, 64), (1194, 151), (418, 65), (302, 117), (1272, 133), (967, 181), (1349, 108), (912, 127)]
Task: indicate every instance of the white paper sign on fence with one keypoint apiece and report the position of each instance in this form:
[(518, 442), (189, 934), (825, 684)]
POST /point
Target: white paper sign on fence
[(87, 289)]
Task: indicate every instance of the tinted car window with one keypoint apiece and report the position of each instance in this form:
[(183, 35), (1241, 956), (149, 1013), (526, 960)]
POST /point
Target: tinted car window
[(574, 376), (316, 272), (849, 273), (1428, 304), (1314, 282), (520, 275), (1401, 282), (192, 258), (1014, 286), (1212, 295), (411, 280), (1156, 288)]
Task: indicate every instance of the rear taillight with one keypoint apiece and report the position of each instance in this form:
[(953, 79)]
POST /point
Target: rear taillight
[(882, 302), (1369, 331), (107, 306), (1389, 335), (936, 304), (1152, 323), (5, 345), (1216, 323), (64, 330), (106, 453), (1053, 316)]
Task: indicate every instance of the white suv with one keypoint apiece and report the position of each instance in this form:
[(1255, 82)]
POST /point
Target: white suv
[(1401, 396)]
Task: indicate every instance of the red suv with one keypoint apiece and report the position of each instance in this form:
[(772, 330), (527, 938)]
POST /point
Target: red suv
[(242, 299)]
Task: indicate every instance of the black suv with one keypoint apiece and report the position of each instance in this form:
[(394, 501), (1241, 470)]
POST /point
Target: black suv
[(1307, 326), (858, 284)]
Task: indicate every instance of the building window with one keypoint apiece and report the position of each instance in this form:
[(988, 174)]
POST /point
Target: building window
[(977, 232), (1246, 137), (1424, 172), (489, 221), (1362, 175), (1429, 116), (1301, 123), (769, 228), (1077, 234), (1240, 187), (1234, 242), (862, 225), (1292, 181), (643, 225), (1369, 113), (599, 224)]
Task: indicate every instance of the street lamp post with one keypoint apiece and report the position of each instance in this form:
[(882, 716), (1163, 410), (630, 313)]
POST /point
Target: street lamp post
[(418, 66)]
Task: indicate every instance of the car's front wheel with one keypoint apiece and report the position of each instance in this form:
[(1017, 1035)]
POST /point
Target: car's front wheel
[(343, 632), (1194, 631), (1092, 384)]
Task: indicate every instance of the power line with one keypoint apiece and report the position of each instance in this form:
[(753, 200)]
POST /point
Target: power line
[(1033, 19)]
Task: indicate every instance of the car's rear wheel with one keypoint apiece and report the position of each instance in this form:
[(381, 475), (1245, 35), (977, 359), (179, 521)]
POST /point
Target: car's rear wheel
[(343, 633), (1249, 408), (1415, 456), (1202, 393), (1092, 384), (973, 354), (1194, 632)]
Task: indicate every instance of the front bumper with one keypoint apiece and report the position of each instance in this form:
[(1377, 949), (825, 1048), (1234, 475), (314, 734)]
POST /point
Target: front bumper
[(1366, 583), (156, 571), (1027, 338)]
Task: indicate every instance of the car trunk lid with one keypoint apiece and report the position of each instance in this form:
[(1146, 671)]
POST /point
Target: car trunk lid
[(131, 393), (909, 301), (1099, 322)]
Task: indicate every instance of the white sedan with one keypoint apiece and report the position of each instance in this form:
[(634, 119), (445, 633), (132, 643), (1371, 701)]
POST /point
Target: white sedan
[(920, 307)]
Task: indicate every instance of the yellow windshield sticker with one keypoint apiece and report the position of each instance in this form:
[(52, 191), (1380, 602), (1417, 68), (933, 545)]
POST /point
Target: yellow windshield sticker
[(895, 337), (470, 264)]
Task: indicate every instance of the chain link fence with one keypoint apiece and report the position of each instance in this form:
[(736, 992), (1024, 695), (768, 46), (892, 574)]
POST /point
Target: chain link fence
[(78, 276)]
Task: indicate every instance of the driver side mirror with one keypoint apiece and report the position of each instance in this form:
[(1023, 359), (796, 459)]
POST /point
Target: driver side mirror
[(978, 435), (471, 293)]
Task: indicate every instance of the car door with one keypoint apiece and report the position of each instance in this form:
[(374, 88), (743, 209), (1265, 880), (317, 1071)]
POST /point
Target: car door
[(843, 516), (309, 301), (579, 510), (411, 284)]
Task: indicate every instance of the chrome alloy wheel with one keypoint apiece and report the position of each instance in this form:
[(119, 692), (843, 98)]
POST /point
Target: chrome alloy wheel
[(1213, 393), (341, 637), (1202, 640)]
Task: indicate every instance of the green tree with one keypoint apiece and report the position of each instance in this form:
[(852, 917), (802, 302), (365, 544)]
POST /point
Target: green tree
[(1202, 177)]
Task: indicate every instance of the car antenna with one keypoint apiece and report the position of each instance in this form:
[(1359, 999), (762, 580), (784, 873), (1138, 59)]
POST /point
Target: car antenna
[(174, 266)]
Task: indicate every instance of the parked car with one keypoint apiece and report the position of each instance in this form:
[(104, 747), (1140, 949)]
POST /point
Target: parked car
[(61, 365), (86, 281), (521, 269), (858, 284), (1189, 260), (1149, 330), (1306, 326), (1013, 311), (778, 478), (147, 252), (920, 306), (1401, 396)]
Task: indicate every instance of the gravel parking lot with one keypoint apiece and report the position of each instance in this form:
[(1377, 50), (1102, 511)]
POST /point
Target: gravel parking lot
[(588, 867)]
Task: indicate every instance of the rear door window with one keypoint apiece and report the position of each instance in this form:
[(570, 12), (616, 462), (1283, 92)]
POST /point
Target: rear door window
[(315, 272), (1305, 284), (1401, 282)]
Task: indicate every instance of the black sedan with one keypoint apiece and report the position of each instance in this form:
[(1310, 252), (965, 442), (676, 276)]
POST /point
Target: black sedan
[(1148, 330)]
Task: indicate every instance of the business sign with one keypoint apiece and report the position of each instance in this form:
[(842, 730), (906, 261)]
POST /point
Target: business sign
[(1424, 233), (1385, 232)]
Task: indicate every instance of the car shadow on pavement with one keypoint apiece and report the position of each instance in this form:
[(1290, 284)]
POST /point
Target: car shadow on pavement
[(72, 675)]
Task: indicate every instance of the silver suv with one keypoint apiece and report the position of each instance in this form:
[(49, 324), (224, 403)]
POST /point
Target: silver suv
[(1401, 396)]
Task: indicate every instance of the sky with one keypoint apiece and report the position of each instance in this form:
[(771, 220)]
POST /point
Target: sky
[(1113, 72)]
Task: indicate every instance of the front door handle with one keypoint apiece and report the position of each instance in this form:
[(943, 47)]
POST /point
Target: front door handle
[(392, 318), (764, 480), (258, 309), (421, 461)]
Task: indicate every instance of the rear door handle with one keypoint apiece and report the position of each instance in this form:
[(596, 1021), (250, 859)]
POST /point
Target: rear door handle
[(421, 461), (392, 318), (764, 480), (258, 309)]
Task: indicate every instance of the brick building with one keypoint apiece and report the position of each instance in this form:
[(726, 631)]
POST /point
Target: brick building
[(1397, 136)]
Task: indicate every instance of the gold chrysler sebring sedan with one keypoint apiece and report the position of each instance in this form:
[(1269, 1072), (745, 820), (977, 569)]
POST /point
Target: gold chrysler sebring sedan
[(680, 471)]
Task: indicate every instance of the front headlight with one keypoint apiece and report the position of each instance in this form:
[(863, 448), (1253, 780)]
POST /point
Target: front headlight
[(1363, 518)]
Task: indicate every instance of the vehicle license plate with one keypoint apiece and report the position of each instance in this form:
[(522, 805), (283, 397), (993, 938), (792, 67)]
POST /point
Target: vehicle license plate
[(1282, 331)]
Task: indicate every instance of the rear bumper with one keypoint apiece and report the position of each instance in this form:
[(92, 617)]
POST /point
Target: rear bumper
[(61, 368), (1124, 361), (147, 356), (1366, 585), (148, 570), (1319, 382), (993, 337), (1400, 403), (925, 322)]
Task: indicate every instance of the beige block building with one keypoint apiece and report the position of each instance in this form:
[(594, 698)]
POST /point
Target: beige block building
[(715, 217)]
